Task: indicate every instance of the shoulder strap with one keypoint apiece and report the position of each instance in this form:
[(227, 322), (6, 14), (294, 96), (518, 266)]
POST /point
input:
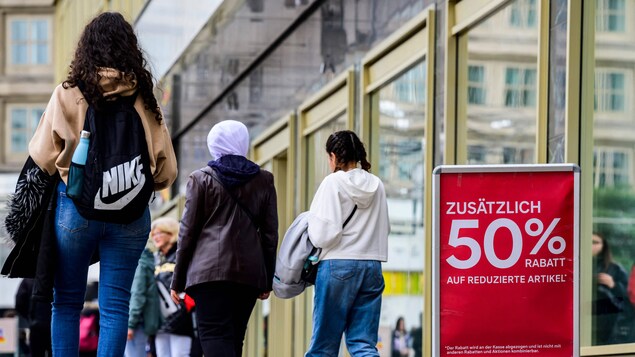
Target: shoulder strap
[(349, 216), (90, 127), (231, 194)]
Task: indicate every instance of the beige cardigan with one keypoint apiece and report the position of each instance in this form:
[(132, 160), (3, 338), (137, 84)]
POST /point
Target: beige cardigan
[(57, 134)]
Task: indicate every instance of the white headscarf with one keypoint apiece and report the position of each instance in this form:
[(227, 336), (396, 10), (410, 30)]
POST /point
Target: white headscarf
[(229, 137)]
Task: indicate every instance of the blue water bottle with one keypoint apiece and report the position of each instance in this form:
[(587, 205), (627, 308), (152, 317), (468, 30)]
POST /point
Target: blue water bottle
[(78, 162)]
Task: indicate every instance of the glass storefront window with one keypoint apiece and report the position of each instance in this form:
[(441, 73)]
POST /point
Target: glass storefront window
[(613, 246), (318, 164), (400, 107), (501, 91), (332, 39), (23, 120), (29, 41)]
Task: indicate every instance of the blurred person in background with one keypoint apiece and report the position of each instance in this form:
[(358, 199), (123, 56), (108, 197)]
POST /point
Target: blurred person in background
[(417, 337), (610, 297), (174, 337), (145, 314), (400, 339)]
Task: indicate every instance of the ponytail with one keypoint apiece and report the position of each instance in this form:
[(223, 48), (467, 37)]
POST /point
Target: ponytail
[(347, 147)]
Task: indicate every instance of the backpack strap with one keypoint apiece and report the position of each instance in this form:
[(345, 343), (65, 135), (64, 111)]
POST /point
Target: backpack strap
[(90, 127), (231, 194)]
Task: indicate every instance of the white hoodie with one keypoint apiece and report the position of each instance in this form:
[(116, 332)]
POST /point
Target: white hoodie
[(365, 237)]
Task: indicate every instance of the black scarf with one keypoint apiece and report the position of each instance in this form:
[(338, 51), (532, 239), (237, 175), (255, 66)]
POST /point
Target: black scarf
[(234, 170)]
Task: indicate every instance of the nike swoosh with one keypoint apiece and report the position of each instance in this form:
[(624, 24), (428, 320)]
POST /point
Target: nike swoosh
[(123, 201)]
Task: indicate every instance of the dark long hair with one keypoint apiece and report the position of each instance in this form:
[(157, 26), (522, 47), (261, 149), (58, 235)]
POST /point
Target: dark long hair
[(397, 327), (605, 257), (347, 148), (109, 41)]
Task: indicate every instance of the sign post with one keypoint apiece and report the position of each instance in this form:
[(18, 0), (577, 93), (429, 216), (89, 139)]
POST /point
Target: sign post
[(506, 257)]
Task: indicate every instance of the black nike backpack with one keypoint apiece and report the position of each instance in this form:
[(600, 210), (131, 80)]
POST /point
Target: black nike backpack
[(117, 183)]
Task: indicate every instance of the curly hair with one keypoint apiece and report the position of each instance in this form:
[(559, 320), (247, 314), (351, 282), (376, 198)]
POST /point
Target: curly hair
[(347, 148), (109, 41)]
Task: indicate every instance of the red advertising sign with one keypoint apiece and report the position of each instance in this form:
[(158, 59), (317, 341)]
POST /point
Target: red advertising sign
[(506, 251)]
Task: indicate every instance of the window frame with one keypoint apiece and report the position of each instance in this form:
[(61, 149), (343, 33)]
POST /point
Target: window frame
[(602, 112), (599, 153), (479, 86), (267, 150), (518, 6), (521, 88), (605, 12), (19, 156), (40, 68), (463, 16)]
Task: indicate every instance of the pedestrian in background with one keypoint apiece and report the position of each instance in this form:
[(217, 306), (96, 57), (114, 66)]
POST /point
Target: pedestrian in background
[(227, 242), (145, 315), (109, 66), (349, 281), (610, 295), (39, 336), (417, 337), (174, 337), (400, 340)]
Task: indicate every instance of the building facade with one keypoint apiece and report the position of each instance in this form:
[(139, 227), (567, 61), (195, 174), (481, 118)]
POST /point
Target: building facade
[(425, 83)]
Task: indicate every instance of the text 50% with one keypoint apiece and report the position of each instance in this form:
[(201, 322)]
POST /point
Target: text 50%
[(533, 227)]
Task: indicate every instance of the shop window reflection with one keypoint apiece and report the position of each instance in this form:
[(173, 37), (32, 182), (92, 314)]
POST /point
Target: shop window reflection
[(612, 167), (609, 91), (400, 108), (520, 87), (478, 154), (523, 14), (476, 85), (613, 314), (317, 159), (610, 16), (500, 88)]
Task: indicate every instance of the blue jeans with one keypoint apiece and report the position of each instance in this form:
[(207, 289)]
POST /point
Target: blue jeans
[(347, 300), (120, 248)]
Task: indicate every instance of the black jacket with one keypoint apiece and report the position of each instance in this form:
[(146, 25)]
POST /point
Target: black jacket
[(33, 232), (30, 221), (217, 239)]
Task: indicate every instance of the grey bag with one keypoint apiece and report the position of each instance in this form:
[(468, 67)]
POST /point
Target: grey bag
[(296, 260), (293, 253)]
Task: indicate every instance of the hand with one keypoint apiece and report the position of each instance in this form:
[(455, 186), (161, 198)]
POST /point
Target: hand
[(175, 296), (130, 334), (264, 296), (606, 279)]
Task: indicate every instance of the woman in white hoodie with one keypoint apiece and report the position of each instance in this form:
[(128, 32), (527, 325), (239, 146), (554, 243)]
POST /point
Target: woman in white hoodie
[(349, 280)]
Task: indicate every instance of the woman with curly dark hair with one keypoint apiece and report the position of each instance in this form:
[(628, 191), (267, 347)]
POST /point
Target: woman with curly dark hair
[(108, 71)]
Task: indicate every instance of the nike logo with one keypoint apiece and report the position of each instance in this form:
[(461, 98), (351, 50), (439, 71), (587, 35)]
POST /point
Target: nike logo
[(118, 179)]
